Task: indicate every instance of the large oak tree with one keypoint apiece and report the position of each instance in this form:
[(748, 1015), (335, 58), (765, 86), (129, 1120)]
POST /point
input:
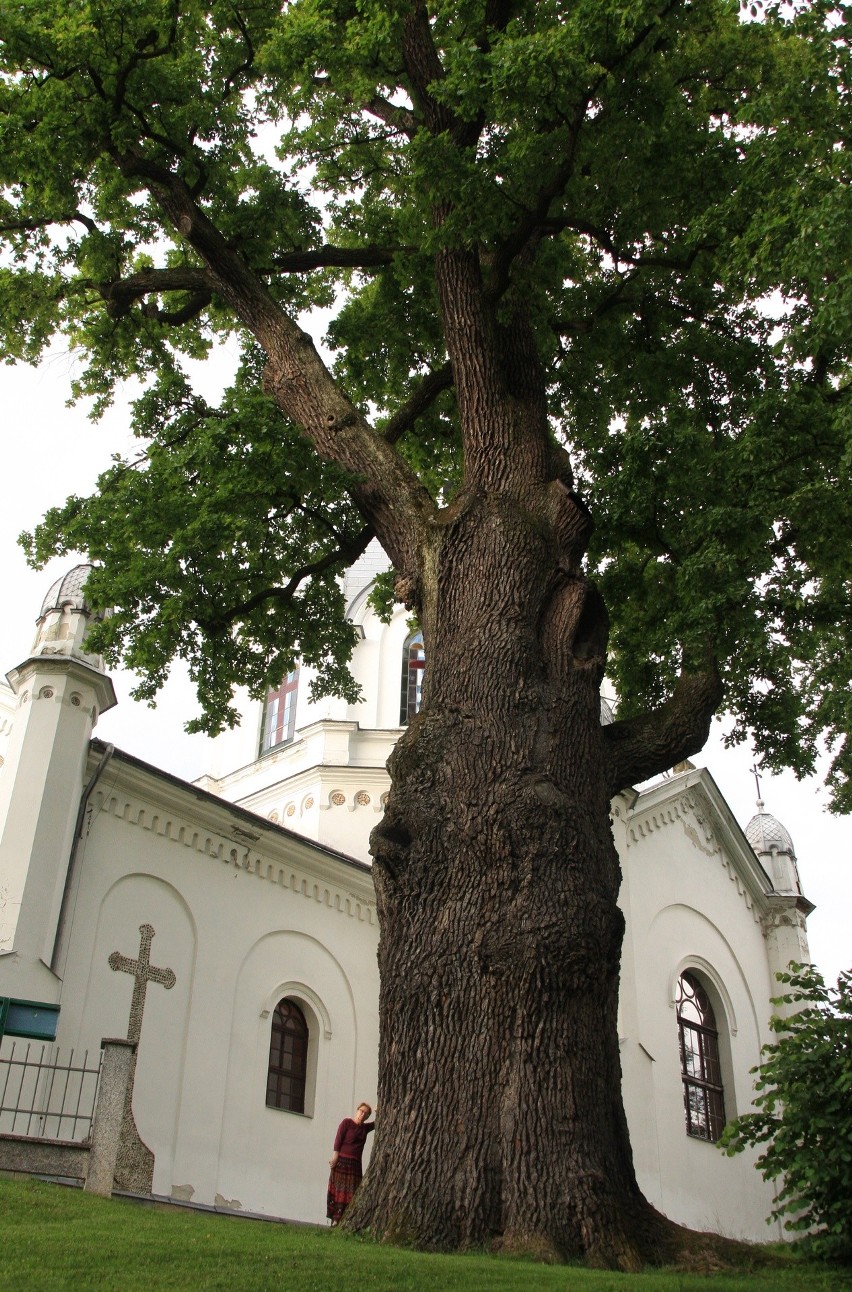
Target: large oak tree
[(587, 266)]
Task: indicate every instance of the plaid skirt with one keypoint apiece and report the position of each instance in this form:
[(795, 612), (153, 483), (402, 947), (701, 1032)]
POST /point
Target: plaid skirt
[(342, 1183)]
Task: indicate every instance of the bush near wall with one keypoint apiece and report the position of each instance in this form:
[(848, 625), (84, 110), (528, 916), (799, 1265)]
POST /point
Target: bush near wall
[(803, 1116)]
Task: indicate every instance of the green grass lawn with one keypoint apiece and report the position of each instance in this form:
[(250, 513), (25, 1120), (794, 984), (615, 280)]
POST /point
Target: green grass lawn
[(54, 1238)]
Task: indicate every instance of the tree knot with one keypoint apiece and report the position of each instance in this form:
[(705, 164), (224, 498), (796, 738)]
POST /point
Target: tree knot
[(406, 589)]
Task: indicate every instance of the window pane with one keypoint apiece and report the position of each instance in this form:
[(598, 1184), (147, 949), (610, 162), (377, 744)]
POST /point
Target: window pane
[(413, 666), (701, 1070), (279, 719), (288, 1058)]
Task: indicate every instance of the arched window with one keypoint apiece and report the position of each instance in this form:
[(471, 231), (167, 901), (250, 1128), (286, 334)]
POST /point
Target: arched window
[(288, 1058), (279, 715), (413, 664), (703, 1094)]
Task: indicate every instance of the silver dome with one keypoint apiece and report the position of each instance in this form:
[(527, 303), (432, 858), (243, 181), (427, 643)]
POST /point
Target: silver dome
[(766, 834), (69, 590)]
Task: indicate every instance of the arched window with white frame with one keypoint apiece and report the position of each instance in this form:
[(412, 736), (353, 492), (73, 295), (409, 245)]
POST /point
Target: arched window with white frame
[(287, 1071)]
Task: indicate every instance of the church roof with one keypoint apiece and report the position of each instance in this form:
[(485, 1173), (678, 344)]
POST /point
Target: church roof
[(68, 590), (766, 834)]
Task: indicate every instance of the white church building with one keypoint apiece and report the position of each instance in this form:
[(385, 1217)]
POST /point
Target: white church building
[(229, 927)]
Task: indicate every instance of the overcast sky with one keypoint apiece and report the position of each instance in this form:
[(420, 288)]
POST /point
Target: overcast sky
[(50, 451)]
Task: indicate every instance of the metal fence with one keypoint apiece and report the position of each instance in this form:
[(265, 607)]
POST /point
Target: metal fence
[(43, 1095)]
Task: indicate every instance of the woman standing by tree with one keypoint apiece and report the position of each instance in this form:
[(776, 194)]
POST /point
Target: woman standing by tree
[(345, 1161)]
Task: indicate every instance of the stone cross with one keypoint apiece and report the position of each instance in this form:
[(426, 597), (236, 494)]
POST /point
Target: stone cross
[(143, 972)]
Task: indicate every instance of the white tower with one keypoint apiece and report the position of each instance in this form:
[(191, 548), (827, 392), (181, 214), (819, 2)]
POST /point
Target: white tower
[(784, 926), (60, 691)]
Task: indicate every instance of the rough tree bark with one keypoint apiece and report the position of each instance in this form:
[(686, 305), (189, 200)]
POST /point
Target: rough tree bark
[(496, 872), (497, 878)]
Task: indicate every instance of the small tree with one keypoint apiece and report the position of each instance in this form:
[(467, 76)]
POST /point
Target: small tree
[(804, 1112)]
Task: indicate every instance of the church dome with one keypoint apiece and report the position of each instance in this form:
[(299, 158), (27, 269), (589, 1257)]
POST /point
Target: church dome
[(68, 591), (766, 834)]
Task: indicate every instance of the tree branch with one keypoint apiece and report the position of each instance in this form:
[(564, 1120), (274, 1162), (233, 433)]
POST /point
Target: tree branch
[(424, 69), (176, 318), (120, 295), (531, 227), (426, 393), (679, 263), (384, 487), (43, 222), (653, 742), (347, 553), (147, 48), (398, 118), (325, 257)]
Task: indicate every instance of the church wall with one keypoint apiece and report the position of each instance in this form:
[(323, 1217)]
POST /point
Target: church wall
[(7, 714), (235, 938), (689, 905)]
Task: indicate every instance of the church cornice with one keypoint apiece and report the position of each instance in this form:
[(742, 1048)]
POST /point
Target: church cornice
[(306, 756), (326, 786), (58, 665), (692, 800), (148, 799)]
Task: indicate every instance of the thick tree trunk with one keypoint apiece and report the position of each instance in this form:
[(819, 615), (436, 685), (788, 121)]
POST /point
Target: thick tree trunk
[(501, 1118)]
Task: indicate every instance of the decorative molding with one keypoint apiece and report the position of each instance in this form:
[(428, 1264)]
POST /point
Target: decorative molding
[(712, 976), (358, 799), (788, 917), (693, 812), (58, 671), (302, 992), (640, 825), (213, 844)]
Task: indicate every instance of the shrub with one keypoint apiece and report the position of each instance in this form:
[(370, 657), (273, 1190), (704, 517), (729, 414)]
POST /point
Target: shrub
[(803, 1111)]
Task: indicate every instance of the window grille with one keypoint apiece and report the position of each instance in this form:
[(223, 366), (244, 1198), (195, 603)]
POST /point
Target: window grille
[(703, 1093), (288, 1058)]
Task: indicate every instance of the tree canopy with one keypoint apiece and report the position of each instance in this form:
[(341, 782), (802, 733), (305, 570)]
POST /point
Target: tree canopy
[(662, 183)]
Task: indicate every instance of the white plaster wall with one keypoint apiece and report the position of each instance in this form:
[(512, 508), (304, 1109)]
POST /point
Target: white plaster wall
[(234, 937), (7, 716), (264, 1150), (686, 907), (140, 894)]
